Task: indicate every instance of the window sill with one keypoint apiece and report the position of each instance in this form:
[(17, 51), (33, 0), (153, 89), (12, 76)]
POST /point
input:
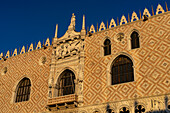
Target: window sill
[(121, 83)]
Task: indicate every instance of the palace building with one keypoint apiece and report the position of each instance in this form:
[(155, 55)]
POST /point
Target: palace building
[(122, 66)]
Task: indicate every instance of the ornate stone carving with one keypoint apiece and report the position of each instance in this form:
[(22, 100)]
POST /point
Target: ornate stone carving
[(15, 52), (134, 17), (123, 20), (47, 43), (159, 9), (38, 45), (72, 24), (102, 26), (112, 23), (120, 37), (67, 48), (92, 29), (146, 12), (7, 54), (22, 50), (31, 48)]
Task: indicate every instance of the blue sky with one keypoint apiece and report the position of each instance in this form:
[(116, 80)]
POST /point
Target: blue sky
[(24, 22)]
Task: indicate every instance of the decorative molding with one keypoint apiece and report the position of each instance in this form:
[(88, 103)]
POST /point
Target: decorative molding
[(159, 9)]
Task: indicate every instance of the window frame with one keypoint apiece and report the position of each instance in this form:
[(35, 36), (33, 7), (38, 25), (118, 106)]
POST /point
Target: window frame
[(135, 41), (103, 46), (18, 88), (109, 67), (124, 73), (59, 90)]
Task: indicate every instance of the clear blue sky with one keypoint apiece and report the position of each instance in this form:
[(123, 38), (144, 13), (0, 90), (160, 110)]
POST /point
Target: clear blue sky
[(25, 21)]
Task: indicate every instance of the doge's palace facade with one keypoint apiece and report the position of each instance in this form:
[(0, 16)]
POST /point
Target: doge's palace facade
[(118, 67)]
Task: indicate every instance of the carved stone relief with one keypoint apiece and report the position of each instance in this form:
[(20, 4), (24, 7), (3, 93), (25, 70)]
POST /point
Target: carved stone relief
[(68, 48)]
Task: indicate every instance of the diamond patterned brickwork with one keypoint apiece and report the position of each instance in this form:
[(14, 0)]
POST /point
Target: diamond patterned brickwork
[(19, 66), (151, 61)]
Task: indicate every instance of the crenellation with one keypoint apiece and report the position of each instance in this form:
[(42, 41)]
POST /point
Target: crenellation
[(146, 12), (38, 45), (92, 29), (102, 26), (7, 54), (159, 9), (15, 52), (123, 20), (134, 17), (112, 23), (24, 50)]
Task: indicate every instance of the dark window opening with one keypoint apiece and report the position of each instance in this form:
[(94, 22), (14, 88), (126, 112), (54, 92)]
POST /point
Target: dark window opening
[(122, 70), (66, 83), (139, 109), (107, 47), (135, 40), (23, 92), (124, 110)]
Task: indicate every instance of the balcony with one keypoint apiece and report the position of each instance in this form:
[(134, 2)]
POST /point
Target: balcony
[(63, 99)]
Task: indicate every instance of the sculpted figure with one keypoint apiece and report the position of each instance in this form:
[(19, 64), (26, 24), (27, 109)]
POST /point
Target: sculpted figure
[(64, 50), (72, 24)]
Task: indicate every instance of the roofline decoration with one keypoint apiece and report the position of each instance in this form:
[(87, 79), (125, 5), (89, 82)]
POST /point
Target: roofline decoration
[(134, 17), (71, 30), (24, 49)]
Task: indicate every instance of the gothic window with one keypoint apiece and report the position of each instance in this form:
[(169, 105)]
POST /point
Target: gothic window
[(139, 109), (122, 70), (23, 91), (124, 110), (107, 47), (134, 40), (110, 111), (66, 83)]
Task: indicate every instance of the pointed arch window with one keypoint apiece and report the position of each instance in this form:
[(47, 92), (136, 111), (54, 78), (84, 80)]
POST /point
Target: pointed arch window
[(107, 47), (23, 91), (66, 83), (122, 70), (135, 40)]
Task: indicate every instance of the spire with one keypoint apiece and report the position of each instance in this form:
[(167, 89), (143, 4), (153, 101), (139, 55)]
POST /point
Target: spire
[(152, 11), (140, 14), (97, 27), (83, 25), (166, 6), (56, 31), (128, 18)]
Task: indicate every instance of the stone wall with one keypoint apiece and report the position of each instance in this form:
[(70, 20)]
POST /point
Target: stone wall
[(32, 66), (151, 61)]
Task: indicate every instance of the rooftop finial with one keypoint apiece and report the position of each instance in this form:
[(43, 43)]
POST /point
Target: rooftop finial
[(83, 25), (72, 24), (166, 6), (56, 31)]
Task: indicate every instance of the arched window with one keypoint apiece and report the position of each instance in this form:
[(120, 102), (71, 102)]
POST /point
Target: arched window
[(23, 91), (124, 110), (122, 70), (66, 83), (107, 47), (134, 40)]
